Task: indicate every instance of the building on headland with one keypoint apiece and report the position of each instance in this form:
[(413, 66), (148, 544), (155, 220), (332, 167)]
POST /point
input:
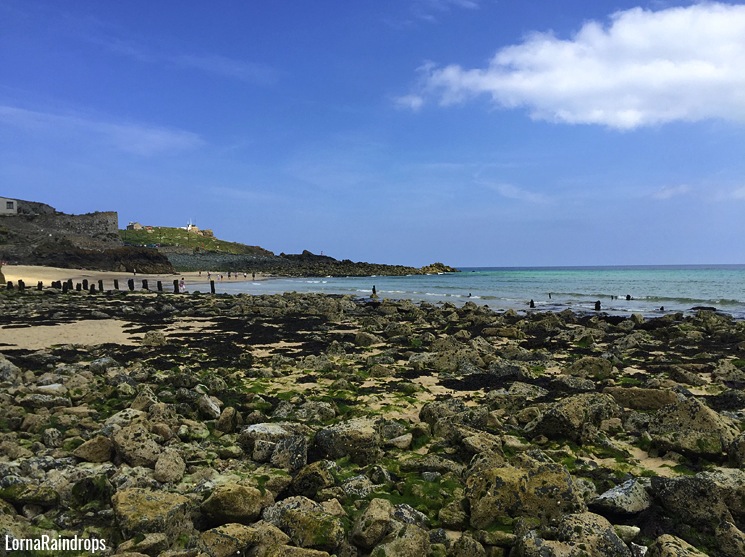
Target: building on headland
[(8, 206), (134, 226)]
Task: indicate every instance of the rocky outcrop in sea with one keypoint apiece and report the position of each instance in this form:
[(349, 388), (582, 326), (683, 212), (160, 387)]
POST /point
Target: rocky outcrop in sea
[(311, 425)]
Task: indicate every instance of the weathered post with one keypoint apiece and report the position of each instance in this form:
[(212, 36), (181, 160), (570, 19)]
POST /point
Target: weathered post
[(144, 284), (175, 286), (159, 284), (100, 286), (116, 284), (39, 286), (131, 284), (212, 286), (65, 287), (69, 284), (93, 288), (21, 285), (78, 287), (85, 284), (9, 285)]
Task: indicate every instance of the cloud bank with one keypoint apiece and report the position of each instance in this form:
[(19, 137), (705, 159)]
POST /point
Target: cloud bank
[(642, 68)]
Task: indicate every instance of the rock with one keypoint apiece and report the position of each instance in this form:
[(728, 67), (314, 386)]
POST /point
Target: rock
[(307, 524), (357, 438), (527, 488), (10, 373), (290, 453), (144, 399), (234, 503), (690, 427), (143, 511), (314, 477), (672, 546), (630, 497), (373, 524), (150, 544), (262, 438), (590, 533), (591, 367), (229, 421), (466, 546), (228, 540), (135, 445), (364, 339), (208, 407), (96, 449), (577, 417), (407, 541), (169, 467), (638, 398)]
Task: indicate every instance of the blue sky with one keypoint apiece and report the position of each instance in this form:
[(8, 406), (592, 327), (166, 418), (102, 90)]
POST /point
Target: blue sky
[(473, 132)]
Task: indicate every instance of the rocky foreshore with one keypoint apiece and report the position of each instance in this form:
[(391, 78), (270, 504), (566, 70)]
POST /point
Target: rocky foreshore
[(304, 264), (311, 425)]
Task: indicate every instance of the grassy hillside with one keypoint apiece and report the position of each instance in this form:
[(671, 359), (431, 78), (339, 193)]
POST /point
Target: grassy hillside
[(162, 236)]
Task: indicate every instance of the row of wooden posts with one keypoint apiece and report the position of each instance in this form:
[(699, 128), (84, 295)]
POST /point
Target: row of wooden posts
[(67, 285)]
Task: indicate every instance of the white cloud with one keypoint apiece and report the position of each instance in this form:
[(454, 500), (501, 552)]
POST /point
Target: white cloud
[(413, 102), (137, 139), (643, 68), (668, 192)]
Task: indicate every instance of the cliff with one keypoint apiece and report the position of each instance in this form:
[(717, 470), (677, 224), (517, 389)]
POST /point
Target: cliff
[(38, 234)]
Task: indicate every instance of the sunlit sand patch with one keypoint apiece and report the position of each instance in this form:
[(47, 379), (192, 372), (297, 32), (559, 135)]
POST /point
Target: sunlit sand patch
[(90, 333)]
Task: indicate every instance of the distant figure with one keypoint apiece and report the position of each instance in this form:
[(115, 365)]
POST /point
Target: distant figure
[(469, 294), (375, 292), (182, 285), (662, 308), (134, 271), (549, 295), (532, 304), (253, 276), (628, 297), (228, 274), (597, 305)]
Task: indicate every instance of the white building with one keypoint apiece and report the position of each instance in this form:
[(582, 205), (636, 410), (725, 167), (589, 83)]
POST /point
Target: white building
[(8, 206)]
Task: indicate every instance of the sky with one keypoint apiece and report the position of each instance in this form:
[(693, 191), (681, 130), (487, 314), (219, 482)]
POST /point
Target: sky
[(471, 132)]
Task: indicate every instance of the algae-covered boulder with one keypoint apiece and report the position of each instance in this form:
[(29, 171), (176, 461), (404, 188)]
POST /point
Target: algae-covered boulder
[(576, 418), (234, 503), (373, 524), (690, 427), (357, 438), (95, 449), (527, 487), (672, 546), (142, 511), (135, 445), (407, 541), (228, 540), (591, 367), (306, 522), (583, 534)]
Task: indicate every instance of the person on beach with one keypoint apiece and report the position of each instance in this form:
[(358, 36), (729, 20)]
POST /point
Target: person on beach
[(182, 285)]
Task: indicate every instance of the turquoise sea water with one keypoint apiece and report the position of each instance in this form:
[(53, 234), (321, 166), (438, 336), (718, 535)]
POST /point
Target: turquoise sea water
[(674, 288)]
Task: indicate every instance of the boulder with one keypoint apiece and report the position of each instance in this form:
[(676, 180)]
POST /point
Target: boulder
[(97, 449), (307, 523), (672, 546), (169, 467), (690, 427), (630, 497), (576, 418), (373, 524), (591, 367), (234, 503), (228, 540), (585, 534), (135, 445), (357, 438), (141, 511), (407, 541), (530, 487), (638, 398)]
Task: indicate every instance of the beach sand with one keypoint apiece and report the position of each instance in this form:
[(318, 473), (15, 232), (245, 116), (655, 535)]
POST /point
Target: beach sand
[(32, 274)]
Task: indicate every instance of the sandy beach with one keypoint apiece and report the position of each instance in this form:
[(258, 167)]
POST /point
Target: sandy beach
[(33, 274)]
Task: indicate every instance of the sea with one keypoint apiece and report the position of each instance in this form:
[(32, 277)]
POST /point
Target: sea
[(648, 290)]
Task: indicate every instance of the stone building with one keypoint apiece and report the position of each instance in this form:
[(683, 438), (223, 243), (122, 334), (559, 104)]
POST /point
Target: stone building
[(8, 206)]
